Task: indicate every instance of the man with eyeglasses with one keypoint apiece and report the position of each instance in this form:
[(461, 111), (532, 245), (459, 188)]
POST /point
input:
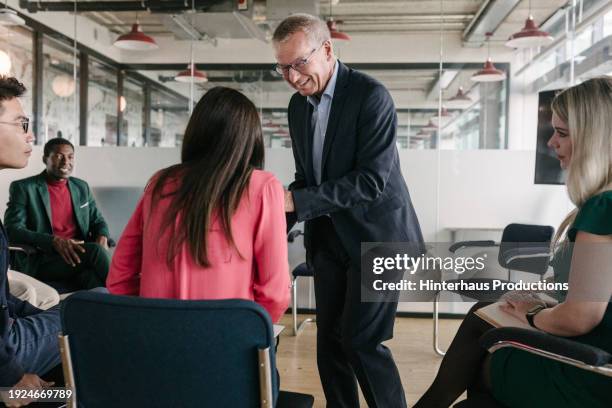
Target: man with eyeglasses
[(28, 336), (58, 214), (348, 189)]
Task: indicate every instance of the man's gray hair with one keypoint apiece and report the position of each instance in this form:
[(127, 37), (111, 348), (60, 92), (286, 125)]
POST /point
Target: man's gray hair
[(315, 29)]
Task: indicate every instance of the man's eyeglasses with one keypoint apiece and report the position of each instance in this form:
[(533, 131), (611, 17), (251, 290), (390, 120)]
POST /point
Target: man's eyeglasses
[(299, 65), (25, 124)]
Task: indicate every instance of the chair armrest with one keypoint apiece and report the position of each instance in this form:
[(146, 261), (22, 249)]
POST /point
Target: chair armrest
[(513, 254), (27, 249), (526, 257), (470, 244), (552, 347), (294, 234)]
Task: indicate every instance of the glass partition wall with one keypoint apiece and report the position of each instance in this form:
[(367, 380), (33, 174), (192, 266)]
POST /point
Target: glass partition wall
[(145, 106), (109, 104)]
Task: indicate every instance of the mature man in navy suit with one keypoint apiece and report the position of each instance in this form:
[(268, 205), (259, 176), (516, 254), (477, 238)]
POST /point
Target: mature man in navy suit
[(349, 189)]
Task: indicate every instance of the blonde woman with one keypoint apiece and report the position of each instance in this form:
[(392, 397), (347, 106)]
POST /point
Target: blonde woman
[(582, 140)]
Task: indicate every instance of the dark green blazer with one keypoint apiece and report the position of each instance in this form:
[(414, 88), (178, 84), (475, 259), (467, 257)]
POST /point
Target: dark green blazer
[(28, 216)]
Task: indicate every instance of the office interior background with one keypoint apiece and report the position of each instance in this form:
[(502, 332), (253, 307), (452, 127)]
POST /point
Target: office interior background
[(469, 161)]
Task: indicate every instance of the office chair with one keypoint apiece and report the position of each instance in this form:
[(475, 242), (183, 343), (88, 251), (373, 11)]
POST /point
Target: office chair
[(302, 270), (14, 249), (563, 350), (523, 247), (120, 351)]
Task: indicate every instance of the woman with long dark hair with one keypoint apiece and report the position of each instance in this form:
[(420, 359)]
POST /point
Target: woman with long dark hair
[(213, 226)]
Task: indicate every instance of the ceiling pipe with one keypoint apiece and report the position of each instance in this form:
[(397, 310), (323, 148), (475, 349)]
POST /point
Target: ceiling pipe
[(159, 6), (491, 14)]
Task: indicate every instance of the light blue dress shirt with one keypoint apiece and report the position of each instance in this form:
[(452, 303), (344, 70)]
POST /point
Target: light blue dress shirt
[(320, 117)]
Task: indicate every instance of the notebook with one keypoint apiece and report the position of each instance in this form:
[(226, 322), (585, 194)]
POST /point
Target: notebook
[(496, 317)]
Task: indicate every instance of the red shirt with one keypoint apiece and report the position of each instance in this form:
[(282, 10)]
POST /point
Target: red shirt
[(63, 221), (258, 271)]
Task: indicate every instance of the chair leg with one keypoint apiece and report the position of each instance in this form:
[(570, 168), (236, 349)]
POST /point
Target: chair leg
[(296, 327), (294, 305), (302, 323), (436, 331)]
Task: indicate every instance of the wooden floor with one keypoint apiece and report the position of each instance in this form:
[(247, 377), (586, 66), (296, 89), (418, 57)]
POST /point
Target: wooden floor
[(411, 348)]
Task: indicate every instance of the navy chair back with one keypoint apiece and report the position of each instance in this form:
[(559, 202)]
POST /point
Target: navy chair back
[(526, 248), (136, 352)]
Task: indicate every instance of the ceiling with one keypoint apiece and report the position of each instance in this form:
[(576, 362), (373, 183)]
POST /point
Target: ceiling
[(354, 16), (419, 86)]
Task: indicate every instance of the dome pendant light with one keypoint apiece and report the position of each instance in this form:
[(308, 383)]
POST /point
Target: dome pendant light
[(10, 17), (489, 73), (136, 40), (443, 117), (460, 100), (422, 134), (430, 127), (333, 27), (530, 36), (191, 74)]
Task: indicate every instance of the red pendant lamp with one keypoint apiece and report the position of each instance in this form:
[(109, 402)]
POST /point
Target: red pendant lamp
[(530, 36), (489, 73), (335, 33), (191, 74), (443, 117), (422, 134), (430, 127), (136, 40), (460, 100), (333, 27)]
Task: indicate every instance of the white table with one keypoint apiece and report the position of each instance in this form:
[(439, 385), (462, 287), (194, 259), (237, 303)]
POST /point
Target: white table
[(454, 230)]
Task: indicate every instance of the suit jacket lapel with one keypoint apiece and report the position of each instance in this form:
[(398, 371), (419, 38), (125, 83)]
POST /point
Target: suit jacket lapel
[(308, 134), (336, 111), (76, 206), (44, 196)]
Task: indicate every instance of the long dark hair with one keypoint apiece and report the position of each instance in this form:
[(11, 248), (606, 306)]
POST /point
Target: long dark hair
[(222, 145)]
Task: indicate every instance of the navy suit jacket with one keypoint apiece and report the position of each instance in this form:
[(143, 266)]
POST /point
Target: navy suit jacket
[(362, 188)]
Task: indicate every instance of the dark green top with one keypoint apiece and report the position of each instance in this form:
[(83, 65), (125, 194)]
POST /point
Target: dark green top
[(595, 217), (522, 379)]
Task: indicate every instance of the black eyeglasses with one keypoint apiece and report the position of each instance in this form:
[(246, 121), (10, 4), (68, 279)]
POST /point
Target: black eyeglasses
[(299, 65), (25, 124)]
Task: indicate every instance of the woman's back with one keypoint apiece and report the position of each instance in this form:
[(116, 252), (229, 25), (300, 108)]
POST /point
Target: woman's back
[(256, 269)]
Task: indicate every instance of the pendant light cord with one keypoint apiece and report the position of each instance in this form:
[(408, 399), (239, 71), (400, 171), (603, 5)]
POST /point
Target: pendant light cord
[(192, 64), (77, 137)]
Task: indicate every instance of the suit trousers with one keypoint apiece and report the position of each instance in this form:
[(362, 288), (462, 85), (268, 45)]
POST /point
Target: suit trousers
[(350, 332), (90, 273), (32, 290)]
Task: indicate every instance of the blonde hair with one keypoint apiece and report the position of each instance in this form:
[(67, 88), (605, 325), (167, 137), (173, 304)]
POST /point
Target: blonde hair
[(587, 111), (315, 29)]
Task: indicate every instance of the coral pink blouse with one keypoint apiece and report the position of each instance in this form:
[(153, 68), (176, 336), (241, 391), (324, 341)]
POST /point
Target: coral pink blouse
[(260, 272)]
